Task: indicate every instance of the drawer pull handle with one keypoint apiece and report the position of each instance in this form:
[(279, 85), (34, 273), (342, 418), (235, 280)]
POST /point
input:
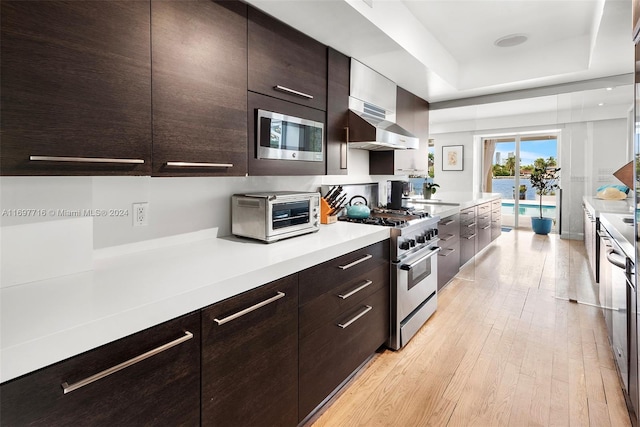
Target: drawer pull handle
[(356, 290), (84, 159), (449, 237), (356, 262), (293, 92), (68, 388), (250, 309), (473, 224), (488, 226), (471, 237), (451, 221), (451, 250), (367, 308), (199, 165)]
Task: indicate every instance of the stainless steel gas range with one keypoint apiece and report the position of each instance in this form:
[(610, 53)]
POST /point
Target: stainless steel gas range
[(414, 269)]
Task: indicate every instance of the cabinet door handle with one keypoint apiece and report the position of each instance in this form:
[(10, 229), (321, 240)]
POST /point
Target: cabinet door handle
[(471, 237), (84, 159), (450, 236), (250, 309), (367, 308), (488, 226), (293, 92), (68, 388), (199, 165), (451, 221), (451, 250), (473, 224), (356, 290), (356, 262)]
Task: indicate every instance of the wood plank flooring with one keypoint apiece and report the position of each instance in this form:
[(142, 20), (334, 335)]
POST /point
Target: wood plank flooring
[(501, 350)]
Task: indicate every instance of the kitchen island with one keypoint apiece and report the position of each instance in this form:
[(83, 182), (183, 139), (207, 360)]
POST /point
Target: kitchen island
[(469, 222)]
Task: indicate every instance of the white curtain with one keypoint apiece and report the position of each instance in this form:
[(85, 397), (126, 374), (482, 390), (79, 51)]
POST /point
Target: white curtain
[(487, 163)]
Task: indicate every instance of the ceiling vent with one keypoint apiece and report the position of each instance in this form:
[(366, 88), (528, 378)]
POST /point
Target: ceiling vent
[(511, 40)]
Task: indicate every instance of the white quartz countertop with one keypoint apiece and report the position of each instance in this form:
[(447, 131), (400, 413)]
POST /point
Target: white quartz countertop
[(48, 321), (622, 232), (597, 206)]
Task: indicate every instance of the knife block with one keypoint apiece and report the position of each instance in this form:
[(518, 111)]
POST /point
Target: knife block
[(324, 213)]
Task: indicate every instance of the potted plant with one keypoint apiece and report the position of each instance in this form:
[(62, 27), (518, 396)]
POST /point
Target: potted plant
[(544, 180), (523, 192), (428, 188)]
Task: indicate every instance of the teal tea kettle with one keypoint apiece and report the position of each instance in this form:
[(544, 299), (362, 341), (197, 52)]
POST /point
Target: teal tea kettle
[(358, 210)]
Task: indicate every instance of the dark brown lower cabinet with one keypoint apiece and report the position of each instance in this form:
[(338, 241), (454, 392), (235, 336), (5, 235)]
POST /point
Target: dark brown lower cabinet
[(333, 352), (449, 255), (250, 358), (161, 390)]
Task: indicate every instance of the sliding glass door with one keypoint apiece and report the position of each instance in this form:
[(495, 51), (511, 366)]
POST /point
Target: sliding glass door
[(508, 163)]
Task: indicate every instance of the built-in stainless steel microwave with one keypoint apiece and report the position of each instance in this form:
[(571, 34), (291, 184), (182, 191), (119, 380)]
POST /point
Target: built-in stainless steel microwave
[(275, 215), (289, 138)]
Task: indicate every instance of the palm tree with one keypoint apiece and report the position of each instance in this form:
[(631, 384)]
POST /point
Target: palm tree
[(551, 162), (510, 165)]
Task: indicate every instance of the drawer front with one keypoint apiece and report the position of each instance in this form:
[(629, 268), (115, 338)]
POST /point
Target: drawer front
[(449, 227), (341, 299), (163, 389), (353, 266), (467, 247), (468, 229), (484, 208), (484, 237), (448, 263), (468, 215), (484, 219), (496, 204), (496, 226), (251, 361), (332, 353)]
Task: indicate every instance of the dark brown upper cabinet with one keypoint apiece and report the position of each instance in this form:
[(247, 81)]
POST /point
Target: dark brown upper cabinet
[(199, 51), (338, 80), (75, 88), (412, 113), (286, 64)]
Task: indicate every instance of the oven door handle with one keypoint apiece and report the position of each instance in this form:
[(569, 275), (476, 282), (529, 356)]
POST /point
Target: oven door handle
[(408, 267)]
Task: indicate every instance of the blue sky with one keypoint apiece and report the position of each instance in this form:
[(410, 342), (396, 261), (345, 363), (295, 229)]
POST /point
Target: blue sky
[(529, 150)]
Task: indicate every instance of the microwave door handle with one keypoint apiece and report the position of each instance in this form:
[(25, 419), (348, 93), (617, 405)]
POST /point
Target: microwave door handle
[(264, 130)]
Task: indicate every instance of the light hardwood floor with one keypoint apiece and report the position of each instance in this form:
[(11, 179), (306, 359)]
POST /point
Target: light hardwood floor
[(500, 350)]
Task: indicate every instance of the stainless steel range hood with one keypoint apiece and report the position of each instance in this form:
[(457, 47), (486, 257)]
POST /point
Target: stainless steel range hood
[(372, 106)]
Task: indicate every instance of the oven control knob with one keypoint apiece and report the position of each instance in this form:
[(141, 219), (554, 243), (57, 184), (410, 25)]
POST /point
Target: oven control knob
[(404, 245), (412, 242), (420, 239)]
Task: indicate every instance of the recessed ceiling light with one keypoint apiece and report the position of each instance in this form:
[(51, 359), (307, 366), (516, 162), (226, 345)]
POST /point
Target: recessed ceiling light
[(511, 40), (609, 88), (601, 104)]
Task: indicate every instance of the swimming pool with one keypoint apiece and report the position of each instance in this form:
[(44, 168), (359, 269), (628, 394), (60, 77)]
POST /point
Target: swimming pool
[(548, 211)]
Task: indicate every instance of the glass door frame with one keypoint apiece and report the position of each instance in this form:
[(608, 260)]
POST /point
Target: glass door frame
[(517, 139)]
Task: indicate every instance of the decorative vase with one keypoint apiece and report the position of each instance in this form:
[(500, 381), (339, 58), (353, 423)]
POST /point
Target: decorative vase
[(541, 225)]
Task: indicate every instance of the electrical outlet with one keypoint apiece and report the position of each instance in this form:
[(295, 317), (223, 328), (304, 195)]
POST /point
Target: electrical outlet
[(140, 214)]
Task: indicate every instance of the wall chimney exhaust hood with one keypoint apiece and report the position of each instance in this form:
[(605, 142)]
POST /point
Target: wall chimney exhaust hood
[(372, 106)]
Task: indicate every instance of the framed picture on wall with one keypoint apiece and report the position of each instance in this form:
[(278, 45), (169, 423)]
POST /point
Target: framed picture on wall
[(452, 158)]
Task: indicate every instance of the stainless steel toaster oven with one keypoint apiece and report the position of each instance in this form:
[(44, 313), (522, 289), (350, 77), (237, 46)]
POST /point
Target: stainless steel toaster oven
[(273, 216)]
